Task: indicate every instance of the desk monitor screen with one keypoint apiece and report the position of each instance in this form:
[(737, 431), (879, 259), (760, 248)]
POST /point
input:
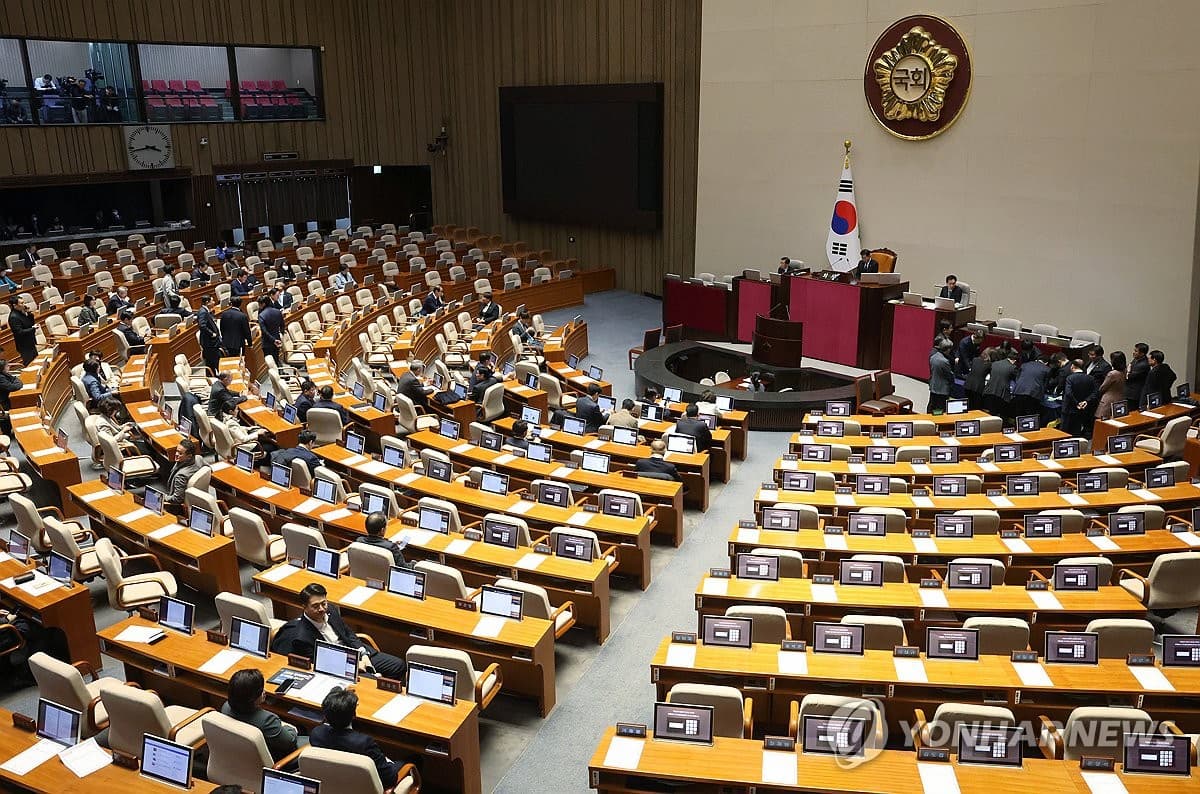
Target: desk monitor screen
[(175, 614), (877, 484), (542, 453), (724, 403), (407, 582), (989, 745), (681, 723), (60, 567), (355, 443), (838, 638), (494, 482), (832, 429), (952, 644), (595, 373), (898, 430), (1120, 408), (250, 637), (269, 399), (758, 566), (818, 453), (860, 572), (969, 576), (501, 602), (943, 454), (289, 413), (339, 661), (18, 546), (845, 737), (323, 561), (945, 526), (677, 442), (1043, 526), (439, 470), (281, 475), (799, 481), (955, 407), (1076, 577), (154, 500), (619, 505), (448, 428), (574, 547), (624, 435), (574, 425), (531, 381), (491, 441), (375, 503), (1160, 477), (866, 524), (1006, 453), (967, 428), (1092, 482), (1028, 423), (782, 518), (531, 415), (460, 391), (1066, 448), (950, 485), (500, 533), (653, 413), (881, 454), (276, 782), (379, 402), (838, 408), (166, 761), (1119, 444), (1071, 647), (185, 426), (573, 361), (200, 520), (431, 683), (553, 493), (1152, 401), (116, 479), (1126, 524), (1021, 485), (1181, 650), (606, 404), (709, 420), (1183, 391), (596, 462), (58, 723), (672, 395), (433, 519), (325, 490), (729, 632), (244, 460), (1156, 754)]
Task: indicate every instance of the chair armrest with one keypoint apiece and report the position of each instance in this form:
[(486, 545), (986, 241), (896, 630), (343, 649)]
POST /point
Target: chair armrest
[(937, 575), (491, 669), (748, 718), (1050, 730), (121, 588), (794, 719), (367, 639), (405, 771), (53, 511), (91, 715), (1137, 482), (1039, 576), (175, 729), (1140, 436), (1019, 526), (1174, 519), (566, 606), (1125, 573), (1095, 522), (139, 559), (85, 668), (473, 594), (20, 641), (919, 730)]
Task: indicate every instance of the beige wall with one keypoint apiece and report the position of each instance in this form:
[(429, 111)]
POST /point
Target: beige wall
[(1066, 192)]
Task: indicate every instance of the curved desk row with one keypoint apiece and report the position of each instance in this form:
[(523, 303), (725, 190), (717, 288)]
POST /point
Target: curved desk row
[(1133, 462)]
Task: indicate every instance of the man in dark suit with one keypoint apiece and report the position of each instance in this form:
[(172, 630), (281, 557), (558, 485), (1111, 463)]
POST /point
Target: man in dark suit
[(483, 376), (690, 424), (1135, 377), (210, 334), (117, 301), (306, 400), (222, 400), (520, 435), (29, 256), (952, 290), (656, 463), (1159, 379), (410, 385), (1078, 391), (1097, 365), (433, 300), (326, 401), (969, 347), (1030, 387), (270, 322), (375, 525), (322, 620), (489, 310), (24, 329), (865, 263), (996, 392), (337, 733), (235, 328), (240, 286), (587, 408), (302, 451), (137, 342)]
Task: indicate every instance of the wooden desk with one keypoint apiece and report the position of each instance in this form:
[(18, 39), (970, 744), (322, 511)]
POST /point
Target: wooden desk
[(1136, 422), (209, 565), (53, 464), (285, 433), (944, 421), (446, 738), (66, 608), (969, 446), (569, 339), (524, 649), (737, 422)]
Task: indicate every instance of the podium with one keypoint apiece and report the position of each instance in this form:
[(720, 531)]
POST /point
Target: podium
[(913, 329), (778, 343), (845, 320)]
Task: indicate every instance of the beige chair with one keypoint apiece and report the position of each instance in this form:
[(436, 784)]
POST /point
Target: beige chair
[(907, 454), (326, 423), (524, 537), (133, 466), (408, 419), (31, 521), (85, 565), (237, 752), (130, 591), (442, 581), (768, 625), (1120, 637), (1173, 582), (252, 541), (733, 714), (998, 568), (63, 683), (492, 406), (822, 705), (555, 398), (950, 720), (297, 538), (880, 632), (894, 518), (535, 603), (353, 772), (471, 685), (369, 562), (133, 712), (792, 564), (198, 497), (983, 522), (1169, 443), (1104, 566), (1084, 724), (1153, 516), (1072, 520), (893, 566), (999, 636), (232, 605), (608, 554), (388, 495)]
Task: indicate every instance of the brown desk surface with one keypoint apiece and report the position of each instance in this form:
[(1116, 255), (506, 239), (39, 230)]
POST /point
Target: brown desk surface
[(923, 472), (1139, 421), (872, 421), (69, 609), (968, 444)]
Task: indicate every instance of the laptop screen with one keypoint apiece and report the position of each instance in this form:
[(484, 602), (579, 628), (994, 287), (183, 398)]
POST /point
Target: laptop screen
[(166, 761), (58, 723), (573, 361), (1066, 448), (325, 490), (116, 479), (18, 546), (819, 453), (375, 503), (281, 475), (758, 566), (491, 441), (269, 399), (200, 520), (1120, 444), (185, 427), (433, 519), (379, 402), (154, 500), (969, 576), (244, 460), (492, 482), (431, 683), (574, 547), (624, 435), (501, 602), (943, 454), (323, 561), (596, 462), (542, 453), (448, 428), (60, 567), (1155, 754), (530, 415), (835, 735), (831, 429), (724, 403), (574, 425), (607, 404), (531, 381), (500, 533), (950, 485), (967, 428), (677, 442), (338, 661), (860, 572), (729, 632), (798, 481), (838, 638), (355, 443), (654, 413), (595, 373), (989, 744), (175, 614), (682, 723), (393, 456), (1160, 477), (1076, 577), (620, 505), (289, 413), (952, 643), (956, 407), (1127, 523), (439, 470), (552, 493), (866, 524), (1072, 647), (1120, 408), (953, 526), (250, 637), (406, 582), (673, 395), (358, 390)]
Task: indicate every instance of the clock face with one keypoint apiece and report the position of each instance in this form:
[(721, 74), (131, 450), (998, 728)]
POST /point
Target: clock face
[(149, 147)]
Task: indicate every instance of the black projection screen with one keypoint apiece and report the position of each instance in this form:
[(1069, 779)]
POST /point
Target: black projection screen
[(589, 154)]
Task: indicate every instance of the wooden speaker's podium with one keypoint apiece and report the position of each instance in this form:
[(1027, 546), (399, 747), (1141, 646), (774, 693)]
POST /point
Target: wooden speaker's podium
[(778, 343)]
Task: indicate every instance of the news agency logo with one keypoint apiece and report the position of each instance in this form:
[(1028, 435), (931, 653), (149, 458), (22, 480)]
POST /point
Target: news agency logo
[(855, 731)]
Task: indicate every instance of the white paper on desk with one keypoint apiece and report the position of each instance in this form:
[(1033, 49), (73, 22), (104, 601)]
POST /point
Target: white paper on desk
[(1103, 542), (265, 492), (1074, 499), (747, 535), (938, 778), (951, 441), (594, 443), (824, 593), (879, 442), (1188, 538), (581, 518), (562, 472), (460, 448), (987, 465), (1104, 783), (716, 587), (1152, 678), (837, 542), (503, 459), (405, 479), (335, 515), (844, 499), (1114, 422), (1032, 674), (354, 460), (547, 432), (488, 626), (85, 758), (358, 596), (1001, 501), (43, 453), (221, 661), (922, 501), (38, 585), (925, 545), (921, 468), (254, 409), (134, 515), (1044, 599), (416, 537), (148, 409), (279, 573), (681, 655), (933, 598), (779, 768), (320, 686), (857, 468), (1152, 415), (141, 634), (1110, 460), (1016, 437), (219, 465), (624, 752), (789, 465), (375, 467), (164, 433), (531, 561), (26, 761), (308, 506), (396, 709), (95, 496), (1145, 494), (793, 662), (151, 423), (5, 556), (165, 532), (911, 671), (520, 508), (459, 546), (1016, 545), (1050, 463)]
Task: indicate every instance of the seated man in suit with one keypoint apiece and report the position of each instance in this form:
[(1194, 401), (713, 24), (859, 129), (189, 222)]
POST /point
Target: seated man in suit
[(624, 416), (376, 524), (412, 386), (587, 408), (240, 286), (302, 451), (520, 435), (690, 424), (865, 263), (137, 342), (337, 733), (484, 375), (489, 310), (245, 704), (656, 463), (433, 300), (952, 290), (306, 400), (322, 620), (326, 401), (222, 400)]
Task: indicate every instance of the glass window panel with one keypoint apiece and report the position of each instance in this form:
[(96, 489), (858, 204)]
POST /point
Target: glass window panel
[(80, 82), (277, 83), (14, 92), (185, 82)]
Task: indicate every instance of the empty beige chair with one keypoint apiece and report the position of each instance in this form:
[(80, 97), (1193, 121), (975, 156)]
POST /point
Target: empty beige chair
[(233, 605), (1117, 477), (1010, 323), (768, 624), (1120, 637), (949, 720), (733, 714), (353, 772), (133, 466), (252, 541), (907, 454), (1072, 520), (1153, 516), (1104, 566), (924, 427), (822, 705), (442, 581), (983, 522), (999, 636), (998, 568), (1173, 582), (133, 712), (369, 562), (131, 592), (880, 632), (471, 685), (792, 564), (409, 419), (297, 538), (388, 495), (31, 521), (524, 538), (1044, 329), (1078, 735), (555, 397), (63, 683), (1169, 443), (991, 424), (85, 565), (608, 554), (492, 406), (894, 519), (237, 752), (326, 423), (535, 603), (893, 566)]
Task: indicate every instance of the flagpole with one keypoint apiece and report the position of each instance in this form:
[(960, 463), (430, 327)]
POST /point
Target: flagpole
[(846, 161)]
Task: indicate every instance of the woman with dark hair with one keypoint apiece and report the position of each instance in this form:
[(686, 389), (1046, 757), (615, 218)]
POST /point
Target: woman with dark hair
[(87, 313), (1112, 388), (244, 704)]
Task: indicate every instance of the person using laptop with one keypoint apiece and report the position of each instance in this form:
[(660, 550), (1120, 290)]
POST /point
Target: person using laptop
[(186, 464), (865, 263), (305, 441), (245, 704), (326, 401), (343, 279), (240, 286), (87, 313), (376, 524), (690, 424), (952, 290), (117, 301), (656, 463), (433, 300), (222, 400), (484, 375), (136, 342), (412, 385), (520, 435), (523, 328), (6, 280), (337, 733), (322, 620), (587, 408), (623, 416)]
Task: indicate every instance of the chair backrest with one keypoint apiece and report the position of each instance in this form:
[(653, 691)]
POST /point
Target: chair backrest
[(950, 719), (582, 533), (442, 581), (893, 517), (61, 683), (999, 636), (250, 536), (768, 624), (326, 423), (492, 406), (893, 566), (791, 562), (237, 751), (1174, 581), (392, 507), (1120, 637), (880, 632), (62, 540), (234, 605), (725, 700), (369, 562), (535, 602), (1174, 436), (133, 712), (341, 770), (823, 705), (297, 538), (983, 522), (1153, 516), (1086, 723)]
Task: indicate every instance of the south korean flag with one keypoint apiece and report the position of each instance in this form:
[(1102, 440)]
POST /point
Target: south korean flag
[(842, 245)]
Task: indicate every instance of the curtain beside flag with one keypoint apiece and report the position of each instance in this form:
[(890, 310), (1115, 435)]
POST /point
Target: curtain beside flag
[(842, 245)]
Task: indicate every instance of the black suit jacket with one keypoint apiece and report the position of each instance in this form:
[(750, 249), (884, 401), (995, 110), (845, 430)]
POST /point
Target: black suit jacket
[(1135, 380), (210, 334), (870, 266), (299, 636), (697, 429), (410, 386), (955, 293), (490, 313), (1159, 381), (1078, 388), (654, 465), (222, 400), (587, 410), (351, 741), (235, 331), (1098, 372), (431, 304), (29, 259)]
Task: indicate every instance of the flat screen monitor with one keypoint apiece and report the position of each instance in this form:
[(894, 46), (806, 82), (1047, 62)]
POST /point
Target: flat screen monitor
[(1183, 391), (249, 637), (728, 632), (1066, 448), (950, 485), (606, 404), (817, 453), (838, 408), (358, 390), (58, 723), (1006, 453), (724, 403), (868, 573), (967, 428), (881, 454), (323, 560), (573, 361), (244, 460), (531, 381), (491, 441), (281, 475), (951, 526), (781, 518), (1120, 444), (1156, 754), (1092, 482), (407, 582), (433, 519), (574, 425), (625, 435), (1028, 423), (356, 443), (764, 567), (872, 484), (494, 483), (431, 683), (60, 568), (1120, 409), (943, 454), (596, 462), (501, 602), (200, 520), (275, 781), (673, 395), (990, 745), (166, 761), (1021, 485), (379, 402), (1126, 524), (574, 547), (845, 737), (542, 453), (799, 481), (1072, 647), (530, 415), (619, 505), (448, 428), (595, 373), (866, 524), (1152, 401), (1181, 650), (955, 407), (439, 470), (553, 493), (1160, 477), (116, 479), (969, 576), (175, 614), (898, 430), (325, 490), (838, 638), (1043, 526), (375, 503), (653, 413), (831, 429), (185, 427), (339, 661), (18, 546), (154, 500), (269, 399), (1071, 576), (501, 533), (290, 413), (952, 643), (393, 456), (676, 722)]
